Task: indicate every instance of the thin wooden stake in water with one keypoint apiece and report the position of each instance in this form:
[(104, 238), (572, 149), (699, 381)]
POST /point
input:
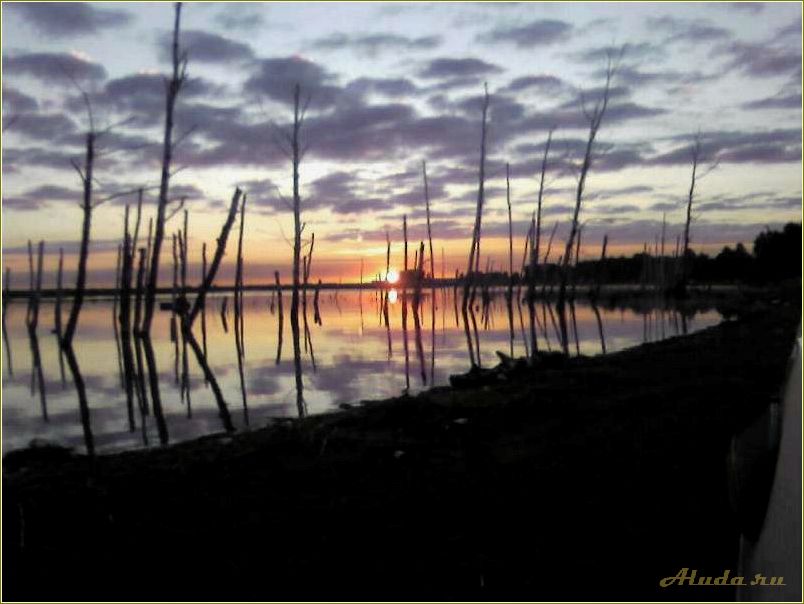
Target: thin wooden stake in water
[(281, 318), (172, 88), (34, 340), (6, 302), (188, 317), (31, 279), (59, 293), (37, 293), (238, 311), (405, 304), (474, 250), (601, 267), (204, 307), (6, 291), (429, 230)]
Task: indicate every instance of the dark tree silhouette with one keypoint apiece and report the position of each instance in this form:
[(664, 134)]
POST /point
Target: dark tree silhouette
[(173, 88), (595, 119)]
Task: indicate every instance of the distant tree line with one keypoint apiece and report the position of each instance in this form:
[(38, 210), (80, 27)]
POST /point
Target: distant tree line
[(775, 256)]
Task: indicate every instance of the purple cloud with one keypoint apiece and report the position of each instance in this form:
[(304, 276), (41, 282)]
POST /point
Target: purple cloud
[(206, 47), (53, 68), (276, 78), (64, 19), (374, 44), (541, 32), (451, 68)]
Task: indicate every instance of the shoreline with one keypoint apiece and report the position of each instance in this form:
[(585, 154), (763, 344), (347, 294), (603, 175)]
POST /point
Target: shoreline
[(540, 486), (583, 290)]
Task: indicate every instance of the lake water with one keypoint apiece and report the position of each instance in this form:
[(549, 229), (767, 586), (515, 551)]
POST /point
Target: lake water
[(351, 356)]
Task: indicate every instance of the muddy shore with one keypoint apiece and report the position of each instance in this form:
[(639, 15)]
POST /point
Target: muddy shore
[(590, 479)]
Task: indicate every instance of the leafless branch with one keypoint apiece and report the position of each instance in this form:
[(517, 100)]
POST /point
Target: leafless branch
[(77, 168), (114, 125), (108, 152), (184, 136), (282, 198), (82, 92), (123, 194), (176, 210), (281, 139), (709, 169), (177, 170), (282, 232)]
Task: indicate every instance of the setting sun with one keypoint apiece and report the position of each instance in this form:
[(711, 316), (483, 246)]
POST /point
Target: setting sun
[(392, 276)]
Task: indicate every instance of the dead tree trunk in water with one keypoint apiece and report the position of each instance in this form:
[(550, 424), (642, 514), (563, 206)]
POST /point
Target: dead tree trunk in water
[(405, 304), (173, 86), (174, 335), (115, 304), (297, 231), (419, 269), (307, 265), (534, 259), (681, 286), (183, 253), (31, 279), (427, 209), (510, 293), (6, 302), (281, 318), (595, 120), (59, 295), (36, 289), (696, 152), (547, 256), (296, 157), (474, 250), (182, 301), (124, 316), (316, 308), (238, 312), (524, 270), (6, 292), (577, 260), (662, 263), (37, 372), (601, 270), (220, 250), (189, 316), (138, 346), (83, 404), (6, 289), (204, 308), (83, 255), (510, 229)]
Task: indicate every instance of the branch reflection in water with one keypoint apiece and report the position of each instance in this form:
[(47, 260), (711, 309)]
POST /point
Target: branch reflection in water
[(352, 363)]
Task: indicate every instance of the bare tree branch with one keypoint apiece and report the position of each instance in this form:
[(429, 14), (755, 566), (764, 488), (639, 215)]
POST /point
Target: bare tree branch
[(123, 194), (77, 168), (187, 133), (114, 125), (176, 210)]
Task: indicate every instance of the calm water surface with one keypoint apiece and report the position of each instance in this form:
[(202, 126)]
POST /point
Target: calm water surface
[(349, 356)]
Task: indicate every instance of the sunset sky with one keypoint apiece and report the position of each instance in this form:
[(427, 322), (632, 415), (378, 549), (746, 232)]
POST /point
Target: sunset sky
[(393, 84)]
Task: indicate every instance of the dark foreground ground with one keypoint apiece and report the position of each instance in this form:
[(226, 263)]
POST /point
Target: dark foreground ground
[(590, 482)]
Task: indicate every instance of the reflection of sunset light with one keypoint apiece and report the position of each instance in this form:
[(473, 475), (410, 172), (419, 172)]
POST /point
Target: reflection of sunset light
[(392, 296), (392, 276)]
